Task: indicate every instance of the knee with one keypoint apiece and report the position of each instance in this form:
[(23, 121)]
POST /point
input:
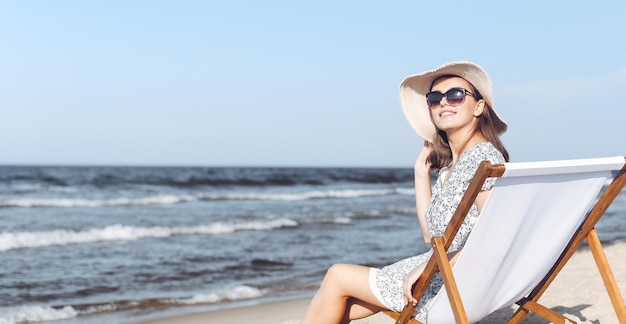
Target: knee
[(336, 272)]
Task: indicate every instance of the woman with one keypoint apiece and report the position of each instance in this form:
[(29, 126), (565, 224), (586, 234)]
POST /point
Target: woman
[(452, 108)]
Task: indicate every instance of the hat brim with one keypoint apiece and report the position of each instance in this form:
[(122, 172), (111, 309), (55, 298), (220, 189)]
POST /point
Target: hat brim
[(414, 88)]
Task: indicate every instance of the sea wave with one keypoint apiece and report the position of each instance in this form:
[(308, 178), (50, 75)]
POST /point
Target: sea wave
[(232, 294), (38, 313), (176, 199), (118, 232), (74, 202), (307, 195), (30, 314), (194, 177)]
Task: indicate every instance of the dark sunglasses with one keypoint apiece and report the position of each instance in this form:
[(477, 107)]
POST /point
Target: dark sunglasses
[(454, 97)]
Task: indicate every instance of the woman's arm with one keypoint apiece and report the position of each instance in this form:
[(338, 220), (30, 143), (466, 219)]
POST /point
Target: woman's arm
[(423, 192)]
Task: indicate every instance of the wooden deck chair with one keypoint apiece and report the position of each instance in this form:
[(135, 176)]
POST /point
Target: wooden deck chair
[(535, 218)]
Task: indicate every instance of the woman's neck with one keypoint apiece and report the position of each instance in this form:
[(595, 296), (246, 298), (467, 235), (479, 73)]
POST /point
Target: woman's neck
[(459, 144)]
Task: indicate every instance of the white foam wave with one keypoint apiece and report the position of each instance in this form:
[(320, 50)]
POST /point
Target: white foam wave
[(118, 232), (308, 195), (64, 202), (95, 309), (341, 220), (176, 199), (236, 293), (406, 191), (29, 314)]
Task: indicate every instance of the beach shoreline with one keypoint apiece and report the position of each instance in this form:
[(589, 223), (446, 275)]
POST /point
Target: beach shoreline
[(578, 292)]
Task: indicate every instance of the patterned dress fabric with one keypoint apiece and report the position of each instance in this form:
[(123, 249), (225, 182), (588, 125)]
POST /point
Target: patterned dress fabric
[(386, 282)]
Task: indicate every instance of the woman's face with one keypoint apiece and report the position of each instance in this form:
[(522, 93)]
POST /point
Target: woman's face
[(461, 118)]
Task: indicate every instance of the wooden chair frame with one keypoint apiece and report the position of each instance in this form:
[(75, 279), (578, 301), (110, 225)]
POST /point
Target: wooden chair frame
[(439, 261)]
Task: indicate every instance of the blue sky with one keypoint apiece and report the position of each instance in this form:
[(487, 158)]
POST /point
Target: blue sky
[(295, 83)]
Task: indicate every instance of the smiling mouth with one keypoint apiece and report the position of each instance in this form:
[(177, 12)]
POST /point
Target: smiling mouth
[(446, 113)]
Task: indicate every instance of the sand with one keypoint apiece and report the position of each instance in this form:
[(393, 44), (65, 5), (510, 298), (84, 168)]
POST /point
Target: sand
[(578, 292)]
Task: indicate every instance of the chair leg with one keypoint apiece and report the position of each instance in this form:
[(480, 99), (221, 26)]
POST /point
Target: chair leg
[(396, 316), (519, 315), (545, 312), (607, 275)]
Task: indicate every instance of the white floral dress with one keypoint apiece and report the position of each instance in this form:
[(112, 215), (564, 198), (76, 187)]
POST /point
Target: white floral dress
[(386, 282)]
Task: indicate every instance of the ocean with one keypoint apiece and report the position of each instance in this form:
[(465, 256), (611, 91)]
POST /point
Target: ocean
[(127, 244)]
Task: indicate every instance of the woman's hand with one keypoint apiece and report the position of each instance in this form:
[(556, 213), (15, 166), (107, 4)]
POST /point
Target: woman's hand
[(411, 278), (407, 284), (422, 165)]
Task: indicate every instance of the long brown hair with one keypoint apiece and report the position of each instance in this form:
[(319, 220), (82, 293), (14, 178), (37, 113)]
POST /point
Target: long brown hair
[(489, 126)]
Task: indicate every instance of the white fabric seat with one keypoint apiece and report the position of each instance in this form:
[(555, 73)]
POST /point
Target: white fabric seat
[(533, 211), (537, 215)]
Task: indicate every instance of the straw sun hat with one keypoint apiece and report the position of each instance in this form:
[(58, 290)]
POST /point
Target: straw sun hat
[(414, 88)]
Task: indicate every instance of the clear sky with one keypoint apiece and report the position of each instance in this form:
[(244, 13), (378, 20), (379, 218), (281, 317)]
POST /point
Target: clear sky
[(297, 83)]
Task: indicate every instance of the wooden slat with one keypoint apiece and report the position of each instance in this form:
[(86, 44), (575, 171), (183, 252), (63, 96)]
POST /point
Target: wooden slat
[(449, 282), (546, 313), (396, 315)]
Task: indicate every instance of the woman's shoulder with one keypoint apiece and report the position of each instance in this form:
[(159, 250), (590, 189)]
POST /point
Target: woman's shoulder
[(484, 151)]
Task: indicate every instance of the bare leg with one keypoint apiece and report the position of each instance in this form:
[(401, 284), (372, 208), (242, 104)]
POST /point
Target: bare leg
[(356, 309), (345, 294)]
